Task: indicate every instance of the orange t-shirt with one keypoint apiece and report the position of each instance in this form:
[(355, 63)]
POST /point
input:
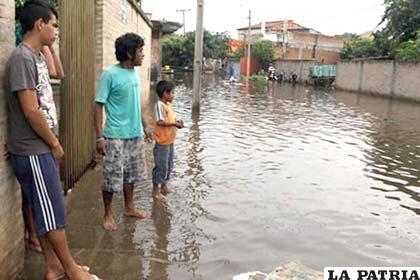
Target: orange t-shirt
[(165, 135)]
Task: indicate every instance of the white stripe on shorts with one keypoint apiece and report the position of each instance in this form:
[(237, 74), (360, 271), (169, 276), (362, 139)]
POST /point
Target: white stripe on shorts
[(44, 200)]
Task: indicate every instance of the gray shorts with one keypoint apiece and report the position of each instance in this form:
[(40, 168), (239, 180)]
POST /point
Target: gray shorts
[(124, 163)]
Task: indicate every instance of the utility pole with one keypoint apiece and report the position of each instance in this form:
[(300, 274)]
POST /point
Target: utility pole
[(183, 16), (198, 57), (285, 22), (248, 55)]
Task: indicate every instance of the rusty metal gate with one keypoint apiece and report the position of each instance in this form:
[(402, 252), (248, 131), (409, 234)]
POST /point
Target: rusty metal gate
[(77, 41)]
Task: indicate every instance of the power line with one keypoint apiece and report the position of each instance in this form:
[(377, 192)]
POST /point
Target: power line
[(183, 11)]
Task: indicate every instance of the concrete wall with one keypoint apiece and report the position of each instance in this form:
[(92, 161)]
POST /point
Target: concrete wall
[(386, 78), (156, 61), (407, 82), (11, 223), (113, 18), (300, 67)]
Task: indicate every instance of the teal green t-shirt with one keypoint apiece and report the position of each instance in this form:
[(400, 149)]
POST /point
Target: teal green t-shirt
[(119, 91)]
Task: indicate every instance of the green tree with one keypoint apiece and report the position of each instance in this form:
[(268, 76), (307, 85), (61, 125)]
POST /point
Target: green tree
[(263, 50), (360, 48), (397, 39), (409, 51), (402, 19), (178, 50)]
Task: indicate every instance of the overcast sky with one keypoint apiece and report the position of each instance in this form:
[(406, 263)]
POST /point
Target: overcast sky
[(330, 17)]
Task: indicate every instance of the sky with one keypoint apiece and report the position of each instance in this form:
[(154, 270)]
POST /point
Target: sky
[(330, 17)]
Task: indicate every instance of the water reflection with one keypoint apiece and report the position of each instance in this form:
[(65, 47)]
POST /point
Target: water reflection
[(158, 263), (271, 173)]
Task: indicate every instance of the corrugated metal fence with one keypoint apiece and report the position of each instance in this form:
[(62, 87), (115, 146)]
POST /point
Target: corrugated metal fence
[(77, 40)]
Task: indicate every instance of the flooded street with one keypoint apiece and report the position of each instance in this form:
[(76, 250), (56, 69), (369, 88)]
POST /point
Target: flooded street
[(265, 177), (283, 173)]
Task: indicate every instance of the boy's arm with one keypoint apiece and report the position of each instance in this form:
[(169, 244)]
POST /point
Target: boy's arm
[(177, 124), (29, 103), (165, 123)]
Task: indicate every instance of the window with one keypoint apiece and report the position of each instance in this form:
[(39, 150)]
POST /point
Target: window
[(124, 11)]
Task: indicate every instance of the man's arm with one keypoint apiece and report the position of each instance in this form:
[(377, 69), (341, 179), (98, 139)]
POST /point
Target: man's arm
[(100, 140), (49, 60), (57, 63), (29, 104), (55, 68)]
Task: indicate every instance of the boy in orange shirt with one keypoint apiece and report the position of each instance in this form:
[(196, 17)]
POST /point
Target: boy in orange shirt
[(166, 126)]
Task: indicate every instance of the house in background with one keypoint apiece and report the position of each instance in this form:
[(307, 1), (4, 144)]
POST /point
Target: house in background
[(160, 28), (296, 42)]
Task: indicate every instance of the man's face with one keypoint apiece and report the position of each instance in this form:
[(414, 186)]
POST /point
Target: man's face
[(48, 30), (138, 59)]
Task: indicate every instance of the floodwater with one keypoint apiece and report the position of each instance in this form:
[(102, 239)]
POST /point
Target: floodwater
[(267, 175), (276, 173)]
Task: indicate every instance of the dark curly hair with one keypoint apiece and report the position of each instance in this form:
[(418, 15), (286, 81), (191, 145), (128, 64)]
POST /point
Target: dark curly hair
[(127, 44), (164, 86), (33, 10)]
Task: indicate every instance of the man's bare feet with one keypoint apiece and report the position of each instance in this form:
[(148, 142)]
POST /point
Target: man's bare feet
[(165, 190), (136, 213), (109, 223), (158, 196)]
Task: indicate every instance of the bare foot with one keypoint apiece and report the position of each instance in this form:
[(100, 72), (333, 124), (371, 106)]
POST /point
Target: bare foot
[(80, 274), (136, 214), (34, 245), (158, 196), (165, 190), (60, 275), (109, 223)]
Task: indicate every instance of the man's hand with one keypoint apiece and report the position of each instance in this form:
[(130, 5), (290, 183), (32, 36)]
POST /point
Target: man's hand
[(148, 131), (57, 151), (5, 152), (101, 146)]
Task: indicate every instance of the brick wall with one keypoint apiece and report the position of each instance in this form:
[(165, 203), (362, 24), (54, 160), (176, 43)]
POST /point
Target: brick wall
[(11, 225), (114, 19)]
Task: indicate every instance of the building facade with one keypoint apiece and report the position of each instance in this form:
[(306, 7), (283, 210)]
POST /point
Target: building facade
[(296, 42)]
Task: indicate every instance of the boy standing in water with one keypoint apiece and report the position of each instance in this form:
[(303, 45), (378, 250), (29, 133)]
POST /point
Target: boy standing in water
[(166, 126)]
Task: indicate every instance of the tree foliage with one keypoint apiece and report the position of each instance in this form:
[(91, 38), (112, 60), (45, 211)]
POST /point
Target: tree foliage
[(398, 38), (19, 3), (402, 19), (178, 50), (263, 50), (409, 51)]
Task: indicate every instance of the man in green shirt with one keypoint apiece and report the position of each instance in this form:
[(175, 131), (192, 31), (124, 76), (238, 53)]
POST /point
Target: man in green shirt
[(121, 140)]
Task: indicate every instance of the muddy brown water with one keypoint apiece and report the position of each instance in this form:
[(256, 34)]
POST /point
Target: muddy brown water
[(265, 176), (275, 173)]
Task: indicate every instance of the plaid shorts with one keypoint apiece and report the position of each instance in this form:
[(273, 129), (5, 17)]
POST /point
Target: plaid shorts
[(124, 163)]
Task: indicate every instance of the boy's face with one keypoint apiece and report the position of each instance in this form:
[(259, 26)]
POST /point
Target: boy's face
[(48, 31), (170, 95)]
